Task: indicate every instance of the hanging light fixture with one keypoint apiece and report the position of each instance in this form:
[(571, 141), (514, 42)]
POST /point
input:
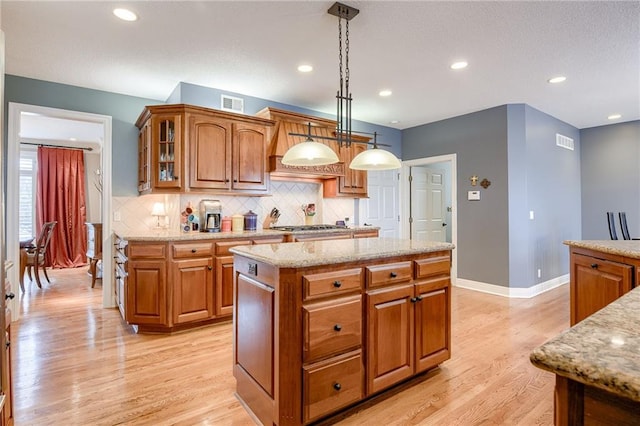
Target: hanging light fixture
[(309, 153), (375, 159)]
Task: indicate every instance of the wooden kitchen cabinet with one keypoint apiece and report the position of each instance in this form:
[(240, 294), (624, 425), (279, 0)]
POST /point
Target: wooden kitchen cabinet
[(354, 182), (144, 158), (203, 150), (192, 285), (147, 292), (120, 273), (408, 324), (597, 279)]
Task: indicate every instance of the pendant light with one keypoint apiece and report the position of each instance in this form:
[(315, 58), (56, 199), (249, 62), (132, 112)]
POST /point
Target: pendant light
[(309, 153), (375, 159)]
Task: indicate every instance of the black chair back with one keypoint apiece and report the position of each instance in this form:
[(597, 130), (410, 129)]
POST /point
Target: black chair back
[(623, 225), (612, 225)]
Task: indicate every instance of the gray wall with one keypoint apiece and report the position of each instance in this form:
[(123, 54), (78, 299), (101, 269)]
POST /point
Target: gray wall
[(610, 178), (480, 142), (124, 110), (552, 190)]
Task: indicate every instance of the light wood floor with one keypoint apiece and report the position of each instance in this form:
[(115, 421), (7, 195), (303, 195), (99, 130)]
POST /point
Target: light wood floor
[(75, 363)]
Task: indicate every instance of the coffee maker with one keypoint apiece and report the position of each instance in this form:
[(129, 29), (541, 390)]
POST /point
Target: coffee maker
[(210, 215)]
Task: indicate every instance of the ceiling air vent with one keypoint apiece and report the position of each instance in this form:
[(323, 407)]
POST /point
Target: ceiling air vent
[(564, 141), (229, 103)]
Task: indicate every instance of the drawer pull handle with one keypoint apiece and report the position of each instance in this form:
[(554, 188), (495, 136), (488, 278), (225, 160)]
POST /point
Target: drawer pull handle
[(193, 250), (393, 275), (337, 327), (337, 386), (594, 265), (337, 284)]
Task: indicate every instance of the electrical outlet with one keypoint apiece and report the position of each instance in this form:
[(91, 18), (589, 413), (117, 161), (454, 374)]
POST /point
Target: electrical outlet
[(116, 216)]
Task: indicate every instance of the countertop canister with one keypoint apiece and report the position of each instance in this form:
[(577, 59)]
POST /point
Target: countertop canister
[(237, 223), (250, 221), (226, 224)]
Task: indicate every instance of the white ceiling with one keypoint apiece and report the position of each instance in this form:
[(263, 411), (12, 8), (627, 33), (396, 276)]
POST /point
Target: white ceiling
[(253, 48)]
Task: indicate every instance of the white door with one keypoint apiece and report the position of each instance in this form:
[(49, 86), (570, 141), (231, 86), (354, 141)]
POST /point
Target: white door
[(427, 204), (382, 208)]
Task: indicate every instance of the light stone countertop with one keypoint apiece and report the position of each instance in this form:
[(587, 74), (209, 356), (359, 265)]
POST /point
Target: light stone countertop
[(176, 235), (628, 248), (314, 253), (603, 350)]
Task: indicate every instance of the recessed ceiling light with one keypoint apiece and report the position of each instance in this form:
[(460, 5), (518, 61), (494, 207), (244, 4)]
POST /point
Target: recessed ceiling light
[(73, 139), (125, 14), (305, 68), (459, 65), (385, 93), (558, 79), (394, 121), (614, 116)]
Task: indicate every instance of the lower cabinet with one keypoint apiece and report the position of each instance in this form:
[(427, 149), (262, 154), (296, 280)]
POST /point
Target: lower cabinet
[(597, 279), (192, 290), (224, 285), (147, 292)]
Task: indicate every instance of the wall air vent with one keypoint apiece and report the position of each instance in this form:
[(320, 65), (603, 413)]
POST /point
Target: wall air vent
[(564, 141), (229, 103)]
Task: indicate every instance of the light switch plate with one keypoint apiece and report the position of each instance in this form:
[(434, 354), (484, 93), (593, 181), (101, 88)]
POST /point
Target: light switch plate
[(473, 195)]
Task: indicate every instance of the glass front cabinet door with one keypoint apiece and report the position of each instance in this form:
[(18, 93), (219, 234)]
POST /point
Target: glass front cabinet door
[(166, 151)]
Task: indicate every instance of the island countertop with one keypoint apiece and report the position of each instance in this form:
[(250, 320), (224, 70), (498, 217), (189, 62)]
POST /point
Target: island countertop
[(176, 235), (313, 253), (601, 351), (627, 248)]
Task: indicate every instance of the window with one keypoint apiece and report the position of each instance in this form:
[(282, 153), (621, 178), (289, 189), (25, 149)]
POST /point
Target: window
[(27, 200)]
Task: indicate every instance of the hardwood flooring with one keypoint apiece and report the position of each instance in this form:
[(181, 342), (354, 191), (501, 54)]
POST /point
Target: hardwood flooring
[(75, 363)]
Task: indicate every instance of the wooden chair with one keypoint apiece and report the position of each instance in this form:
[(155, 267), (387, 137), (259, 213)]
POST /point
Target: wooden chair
[(623, 226), (36, 254), (612, 225)]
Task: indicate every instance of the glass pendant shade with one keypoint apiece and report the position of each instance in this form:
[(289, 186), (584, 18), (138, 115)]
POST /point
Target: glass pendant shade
[(375, 159), (309, 153)]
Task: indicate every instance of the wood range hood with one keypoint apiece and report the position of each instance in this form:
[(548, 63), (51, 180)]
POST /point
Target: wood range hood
[(280, 141)]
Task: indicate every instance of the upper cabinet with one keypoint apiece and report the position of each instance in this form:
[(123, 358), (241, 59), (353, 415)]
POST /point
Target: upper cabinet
[(194, 149), (354, 182)]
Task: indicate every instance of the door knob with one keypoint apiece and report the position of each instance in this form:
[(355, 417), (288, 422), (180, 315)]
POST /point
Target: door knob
[(9, 295), (444, 224)]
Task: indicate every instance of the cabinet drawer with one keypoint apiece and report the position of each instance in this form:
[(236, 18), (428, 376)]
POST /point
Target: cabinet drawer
[(192, 250), (365, 234), (331, 327), (142, 251), (435, 265), (390, 273), (222, 248), (328, 283), (332, 384), (272, 240)]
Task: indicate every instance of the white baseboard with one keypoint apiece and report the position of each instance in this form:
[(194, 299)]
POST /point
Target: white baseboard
[(524, 293)]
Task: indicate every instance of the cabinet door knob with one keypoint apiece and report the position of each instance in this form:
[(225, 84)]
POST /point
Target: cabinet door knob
[(9, 295), (175, 177), (413, 299), (418, 298), (209, 267), (193, 250), (337, 327), (594, 265), (337, 284), (337, 386), (393, 275)]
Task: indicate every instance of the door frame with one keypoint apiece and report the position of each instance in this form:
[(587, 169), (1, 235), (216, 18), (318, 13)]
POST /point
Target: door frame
[(13, 181), (405, 195)]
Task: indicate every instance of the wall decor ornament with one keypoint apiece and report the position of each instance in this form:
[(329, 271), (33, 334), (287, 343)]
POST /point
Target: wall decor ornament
[(485, 183), (474, 180)]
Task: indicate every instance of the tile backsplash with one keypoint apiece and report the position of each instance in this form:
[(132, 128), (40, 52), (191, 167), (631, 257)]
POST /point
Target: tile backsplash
[(288, 197)]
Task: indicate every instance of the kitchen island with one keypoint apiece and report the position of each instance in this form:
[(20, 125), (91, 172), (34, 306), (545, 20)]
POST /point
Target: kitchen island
[(320, 326), (168, 281), (596, 366)]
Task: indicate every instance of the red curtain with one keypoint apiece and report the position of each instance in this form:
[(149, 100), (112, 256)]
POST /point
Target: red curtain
[(60, 196)]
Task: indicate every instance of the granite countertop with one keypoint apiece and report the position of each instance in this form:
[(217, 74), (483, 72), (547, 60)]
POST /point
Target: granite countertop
[(176, 235), (628, 248), (601, 351), (313, 253)]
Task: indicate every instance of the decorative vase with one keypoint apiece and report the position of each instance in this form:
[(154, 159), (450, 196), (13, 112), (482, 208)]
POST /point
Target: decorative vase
[(308, 220)]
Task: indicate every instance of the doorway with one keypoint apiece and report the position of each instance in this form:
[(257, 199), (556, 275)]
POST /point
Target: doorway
[(15, 123), (429, 201)]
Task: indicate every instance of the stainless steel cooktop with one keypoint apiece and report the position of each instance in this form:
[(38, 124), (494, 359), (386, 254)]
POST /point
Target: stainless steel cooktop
[(318, 227)]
